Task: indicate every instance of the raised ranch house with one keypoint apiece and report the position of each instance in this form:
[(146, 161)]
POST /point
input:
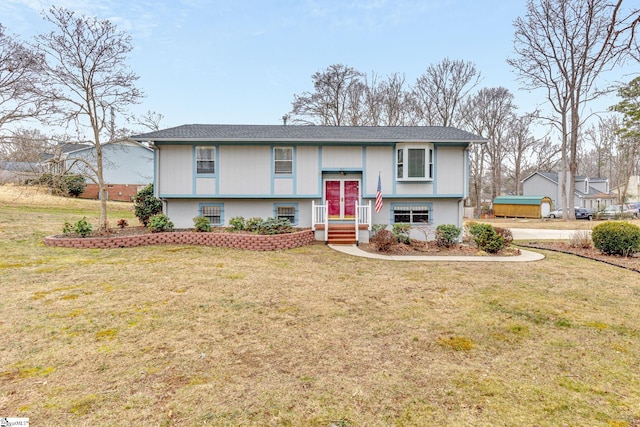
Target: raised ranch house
[(322, 177)]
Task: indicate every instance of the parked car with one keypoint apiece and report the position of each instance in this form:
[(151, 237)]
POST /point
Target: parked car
[(556, 213), (634, 206), (617, 212), (584, 213)]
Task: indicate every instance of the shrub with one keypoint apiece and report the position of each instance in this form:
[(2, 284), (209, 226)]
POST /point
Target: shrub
[(122, 223), (146, 205), (237, 223), (485, 237), (67, 227), (447, 235), (74, 184), (83, 228), (506, 235), (253, 224), (580, 239), (384, 240), (160, 222), (274, 226), (201, 223), (616, 238), (401, 232)]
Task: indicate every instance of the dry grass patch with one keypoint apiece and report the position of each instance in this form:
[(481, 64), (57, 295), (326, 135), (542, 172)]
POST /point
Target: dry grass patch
[(212, 336), (545, 223)]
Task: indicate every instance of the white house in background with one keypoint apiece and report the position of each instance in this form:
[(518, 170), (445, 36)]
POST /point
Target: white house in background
[(323, 177), (127, 166), (633, 189), (592, 193)]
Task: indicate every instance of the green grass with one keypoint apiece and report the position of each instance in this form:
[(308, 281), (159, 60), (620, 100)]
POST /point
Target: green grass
[(179, 336)]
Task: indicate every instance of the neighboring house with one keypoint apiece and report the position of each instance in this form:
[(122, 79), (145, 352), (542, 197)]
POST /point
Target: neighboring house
[(591, 193), (323, 177), (127, 166), (633, 189), (18, 172)]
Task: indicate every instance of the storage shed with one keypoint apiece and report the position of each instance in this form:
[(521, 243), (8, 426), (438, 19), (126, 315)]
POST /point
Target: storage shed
[(522, 206)]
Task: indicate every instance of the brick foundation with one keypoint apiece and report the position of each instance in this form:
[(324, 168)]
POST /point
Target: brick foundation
[(115, 192), (254, 242)]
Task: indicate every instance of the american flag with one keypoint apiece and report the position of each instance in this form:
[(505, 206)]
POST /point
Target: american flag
[(379, 195)]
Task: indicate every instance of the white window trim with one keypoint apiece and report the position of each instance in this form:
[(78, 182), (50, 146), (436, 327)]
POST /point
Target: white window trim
[(275, 172), (428, 161)]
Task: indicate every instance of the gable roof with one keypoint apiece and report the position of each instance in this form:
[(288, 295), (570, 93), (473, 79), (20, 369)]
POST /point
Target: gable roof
[(70, 148), (293, 133), (591, 192)]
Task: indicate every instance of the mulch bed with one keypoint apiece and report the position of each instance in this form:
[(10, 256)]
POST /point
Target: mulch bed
[(630, 263), (418, 247)]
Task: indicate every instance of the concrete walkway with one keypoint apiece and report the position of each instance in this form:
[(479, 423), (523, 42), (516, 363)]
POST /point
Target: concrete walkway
[(539, 234), (356, 251)]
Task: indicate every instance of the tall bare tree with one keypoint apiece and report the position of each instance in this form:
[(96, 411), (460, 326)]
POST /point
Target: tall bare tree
[(328, 104), (20, 69), (489, 113), (562, 47), (439, 92), (88, 79)]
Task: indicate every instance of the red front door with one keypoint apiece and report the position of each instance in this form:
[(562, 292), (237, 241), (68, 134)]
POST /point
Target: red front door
[(341, 197)]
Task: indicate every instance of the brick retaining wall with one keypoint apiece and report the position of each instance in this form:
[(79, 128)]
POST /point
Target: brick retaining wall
[(253, 242)]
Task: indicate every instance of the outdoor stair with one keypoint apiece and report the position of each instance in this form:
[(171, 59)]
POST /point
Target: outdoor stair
[(341, 234)]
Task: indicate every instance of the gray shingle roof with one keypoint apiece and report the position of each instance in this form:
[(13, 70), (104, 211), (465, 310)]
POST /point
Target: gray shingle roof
[(203, 132)]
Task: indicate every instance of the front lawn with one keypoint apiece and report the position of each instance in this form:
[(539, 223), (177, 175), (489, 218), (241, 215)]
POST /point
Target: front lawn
[(191, 335)]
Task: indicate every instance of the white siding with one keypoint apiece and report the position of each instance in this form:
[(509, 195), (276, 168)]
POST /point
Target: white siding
[(414, 188), (175, 175), (244, 170), (379, 160), (123, 163), (450, 170), (283, 186), (205, 186), (307, 173), (341, 157)]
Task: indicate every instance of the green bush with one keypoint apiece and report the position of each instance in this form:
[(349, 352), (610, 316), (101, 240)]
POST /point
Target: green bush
[(485, 237), (83, 228), (506, 235), (274, 226), (67, 228), (401, 231), (237, 223), (146, 205), (160, 222), (616, 238), (253, 224), (384, 240), (378, 227), (74, 184), (201, 223), (447, 235)]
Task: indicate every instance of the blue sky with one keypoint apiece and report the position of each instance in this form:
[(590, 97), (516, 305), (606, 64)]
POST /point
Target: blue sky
[(241, 61)]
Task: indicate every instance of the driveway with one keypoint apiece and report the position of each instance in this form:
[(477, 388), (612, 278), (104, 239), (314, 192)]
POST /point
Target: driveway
[(539, 234)]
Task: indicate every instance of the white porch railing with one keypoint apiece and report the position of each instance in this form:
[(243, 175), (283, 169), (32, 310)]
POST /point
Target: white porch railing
[(363, 216), (320, 215)]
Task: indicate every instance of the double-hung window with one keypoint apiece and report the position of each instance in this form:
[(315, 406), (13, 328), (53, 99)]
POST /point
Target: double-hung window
[(411, 214), (287, 211), (213, 212), (283, 160), (414, 162), (205, 160)]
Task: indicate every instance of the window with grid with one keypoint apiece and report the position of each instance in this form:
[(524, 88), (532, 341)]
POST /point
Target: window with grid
[(287, 212), (213, 213), (205, 160), (411, 214), (283, 160)]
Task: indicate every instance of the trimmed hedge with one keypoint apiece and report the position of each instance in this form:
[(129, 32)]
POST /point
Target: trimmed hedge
[(616, 238)]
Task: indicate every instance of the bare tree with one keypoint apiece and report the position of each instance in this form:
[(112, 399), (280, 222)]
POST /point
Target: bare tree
[(329, 102), (151, 120), (20, 69), (489, 113), (24, 145), (562, 47), (88, 79), (439, 92), (520, 149)]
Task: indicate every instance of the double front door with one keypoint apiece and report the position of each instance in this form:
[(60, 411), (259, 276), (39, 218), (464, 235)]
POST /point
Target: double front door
[(341, 196)]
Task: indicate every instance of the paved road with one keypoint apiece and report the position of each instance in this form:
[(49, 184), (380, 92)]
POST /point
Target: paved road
[(534, 234)]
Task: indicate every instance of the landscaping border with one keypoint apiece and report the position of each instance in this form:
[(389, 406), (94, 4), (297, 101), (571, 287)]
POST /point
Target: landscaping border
[(254, 242)]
